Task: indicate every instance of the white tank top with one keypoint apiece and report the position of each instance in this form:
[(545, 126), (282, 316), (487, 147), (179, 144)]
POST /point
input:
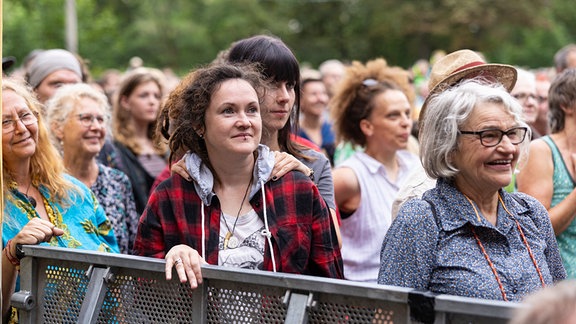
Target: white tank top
[(364, 230)]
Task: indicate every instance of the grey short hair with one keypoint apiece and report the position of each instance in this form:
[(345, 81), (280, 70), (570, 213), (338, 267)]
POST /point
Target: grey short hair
[(331, 65), (66, 99), (447, 111)]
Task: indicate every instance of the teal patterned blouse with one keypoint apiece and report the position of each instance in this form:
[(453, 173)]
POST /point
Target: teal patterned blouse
[(83, 220), (563, 185)]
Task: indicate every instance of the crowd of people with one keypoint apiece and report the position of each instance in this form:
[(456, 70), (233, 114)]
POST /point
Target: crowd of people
[(454, 176)]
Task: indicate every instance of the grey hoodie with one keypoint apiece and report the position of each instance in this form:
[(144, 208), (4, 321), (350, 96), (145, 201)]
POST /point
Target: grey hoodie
[(204, 180), (204, 185)]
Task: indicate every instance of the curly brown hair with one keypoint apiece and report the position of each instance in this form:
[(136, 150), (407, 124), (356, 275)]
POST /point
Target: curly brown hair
[(353, 100), (187, 104)]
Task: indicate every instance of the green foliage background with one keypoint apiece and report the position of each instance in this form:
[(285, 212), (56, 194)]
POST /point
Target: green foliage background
[(182, 34)]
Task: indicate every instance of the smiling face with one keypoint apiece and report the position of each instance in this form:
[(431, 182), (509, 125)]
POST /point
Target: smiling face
[(232, 121), (20, 144), (485, 169), (388, 126), (79, 137)]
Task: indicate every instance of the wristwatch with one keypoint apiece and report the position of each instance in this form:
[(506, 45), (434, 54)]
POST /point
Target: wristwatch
[(19, 253)]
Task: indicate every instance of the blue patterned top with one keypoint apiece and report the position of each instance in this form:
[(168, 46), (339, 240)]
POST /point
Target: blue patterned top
[(445, 258), (114, 192), (84, 223)]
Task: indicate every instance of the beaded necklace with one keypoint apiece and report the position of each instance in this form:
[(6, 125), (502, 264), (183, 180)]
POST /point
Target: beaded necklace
[(30, 207), (487, 257)]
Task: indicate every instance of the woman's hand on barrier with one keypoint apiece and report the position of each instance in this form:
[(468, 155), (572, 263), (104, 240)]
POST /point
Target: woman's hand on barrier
[(36, 231), (187, 262), (284, 163)]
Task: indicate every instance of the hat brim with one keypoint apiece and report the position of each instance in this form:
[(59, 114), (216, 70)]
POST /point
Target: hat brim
[(501, 73)]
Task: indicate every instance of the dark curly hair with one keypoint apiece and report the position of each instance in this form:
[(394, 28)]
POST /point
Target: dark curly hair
[(187, 104)]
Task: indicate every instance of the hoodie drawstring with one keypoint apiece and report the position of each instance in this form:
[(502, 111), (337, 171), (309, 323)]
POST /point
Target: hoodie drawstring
[(266, 231), (203, 235)]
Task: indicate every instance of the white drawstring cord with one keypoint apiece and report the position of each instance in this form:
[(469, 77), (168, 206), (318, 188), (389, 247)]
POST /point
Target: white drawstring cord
[(266, 231), (203, 235)]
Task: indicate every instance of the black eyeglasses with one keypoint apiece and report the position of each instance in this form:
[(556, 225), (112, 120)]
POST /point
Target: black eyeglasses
[(493, 137)]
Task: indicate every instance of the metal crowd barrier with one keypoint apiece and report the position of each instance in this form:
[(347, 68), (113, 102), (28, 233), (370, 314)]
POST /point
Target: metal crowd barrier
[(77, 286)]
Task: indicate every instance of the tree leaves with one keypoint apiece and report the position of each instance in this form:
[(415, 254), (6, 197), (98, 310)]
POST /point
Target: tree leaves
[(183, 34)]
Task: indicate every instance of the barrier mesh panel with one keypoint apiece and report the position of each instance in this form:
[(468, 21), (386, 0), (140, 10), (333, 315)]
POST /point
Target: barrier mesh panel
[(137, 296), (62, 293), (229, 302), (146, 298), (345, 309), (140, 297), (58, 288)]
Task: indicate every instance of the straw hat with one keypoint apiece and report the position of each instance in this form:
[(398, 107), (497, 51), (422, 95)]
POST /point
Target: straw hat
[(466, 64)]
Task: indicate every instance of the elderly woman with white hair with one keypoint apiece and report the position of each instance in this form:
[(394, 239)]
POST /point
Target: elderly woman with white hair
[(79, 119), (468, 236)]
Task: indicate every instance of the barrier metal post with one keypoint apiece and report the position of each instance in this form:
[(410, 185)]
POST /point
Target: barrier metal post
[(94, 298), (25, 299), (298, 305)]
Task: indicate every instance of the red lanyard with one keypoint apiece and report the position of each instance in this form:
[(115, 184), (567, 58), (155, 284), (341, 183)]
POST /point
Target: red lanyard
[(488, 257)]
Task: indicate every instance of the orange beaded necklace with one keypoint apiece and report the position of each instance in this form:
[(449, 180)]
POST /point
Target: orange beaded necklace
[(487, 257)]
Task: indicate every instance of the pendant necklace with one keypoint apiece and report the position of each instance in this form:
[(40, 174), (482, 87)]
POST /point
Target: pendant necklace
[(31, 199), (231, 241)]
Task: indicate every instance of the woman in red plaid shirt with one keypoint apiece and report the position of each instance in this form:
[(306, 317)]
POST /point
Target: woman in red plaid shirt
[(231, 215)]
